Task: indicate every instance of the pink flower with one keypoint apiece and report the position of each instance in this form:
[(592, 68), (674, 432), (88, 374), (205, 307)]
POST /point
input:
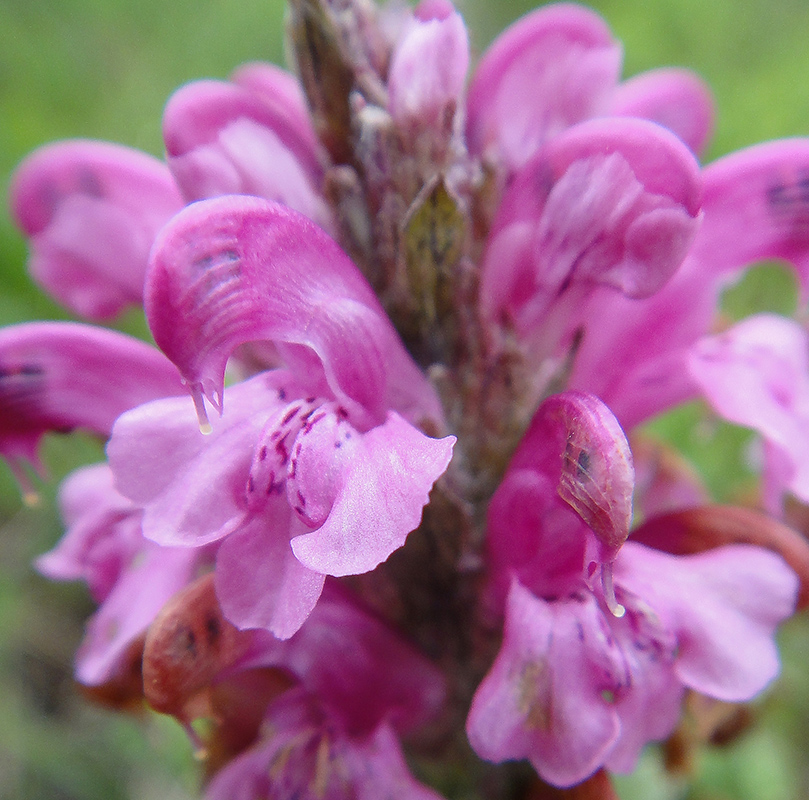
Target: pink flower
[(312, 470), (308, 755), (59, 376), (333, 698), (601, 638), (548, 248), (606, 203), (636, 357), (130, 577)]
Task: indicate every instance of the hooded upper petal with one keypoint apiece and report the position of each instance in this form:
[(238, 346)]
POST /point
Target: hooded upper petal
[(250, 137), (92, 210), (677, 99), (577, 445), (549, 70), (238, 269), (57, 376)]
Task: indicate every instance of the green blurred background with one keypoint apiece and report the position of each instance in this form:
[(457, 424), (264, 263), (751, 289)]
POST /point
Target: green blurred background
[(103, 69)]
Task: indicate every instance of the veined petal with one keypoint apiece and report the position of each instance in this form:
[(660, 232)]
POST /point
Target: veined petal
[(57, 376), (92, 210), (756, 205), (543, 697), (379, 487), (551, 69), (723, 605), (193, 487), (238, 269), (576, 443), (649, 705), (609, 202), (677, 99)]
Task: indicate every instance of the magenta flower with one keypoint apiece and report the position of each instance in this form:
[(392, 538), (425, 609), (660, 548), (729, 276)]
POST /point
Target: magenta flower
[(91, 211), (601, 638), (59, 376), (323, 725), (312, 470), (309, 755), (129, 577)]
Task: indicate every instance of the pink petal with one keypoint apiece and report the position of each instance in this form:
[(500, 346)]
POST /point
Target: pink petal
[(146, 585), (384, 483), (306, 754), (277, 592), (226, 139), (362, 669), (551, 69), (633, 354), (57, 376), (193, 487), (723, 606), (636, 357), (103, 532), (92, 211), (542, 699), (649, 706), (675, 98), (756, 374), (756, 207), (532, 534), (281, 91), (197, 112), (237, 269)]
